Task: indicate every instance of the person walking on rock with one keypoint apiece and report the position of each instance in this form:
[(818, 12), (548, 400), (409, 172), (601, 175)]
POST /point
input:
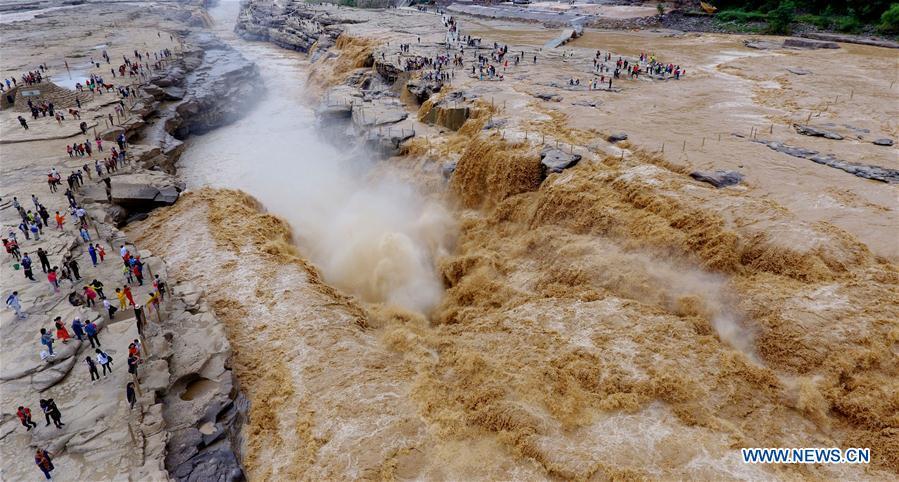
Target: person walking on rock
[(90, 295), (45, 261), (97, 286), (47, 340), (159, 285), (92, 368), (54, 280), (78, 329), (130, 395), (93, 254), (127, 290), (51, 411), (91, 330), (24, 414), (73, 265), (44, 462), (133, 361), (110, 310), (105, 361), (13, 301), (121, 296), (61, 332), (26, 267)]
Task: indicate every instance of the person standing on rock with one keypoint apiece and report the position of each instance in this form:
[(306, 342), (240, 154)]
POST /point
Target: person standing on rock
[(133, 361), (26, 267), (127, 290), (45, 261), (97, 286), (54, 280), (101, 252), (90, 295), (130, 395), (85, 235), (92, 252), (159, 286), (91, 330), (47, 340), (51, 411), (44, 462), (15, 303), (105, 361), (139, 319), (24, 414), (92, 368), (135, 269), (121, 296), (61, 332), (78, 329), (73, 265), (12, 248), (23, 122), (110, 310)]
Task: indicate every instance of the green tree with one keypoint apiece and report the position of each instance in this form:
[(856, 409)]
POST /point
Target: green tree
[(780, 18), (889, 21)]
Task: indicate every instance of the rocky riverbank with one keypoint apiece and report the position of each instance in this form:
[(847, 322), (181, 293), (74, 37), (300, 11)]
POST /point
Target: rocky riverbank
[(187, 422)]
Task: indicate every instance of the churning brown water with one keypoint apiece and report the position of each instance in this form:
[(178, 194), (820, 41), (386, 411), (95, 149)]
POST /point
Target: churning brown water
[(613, 321)]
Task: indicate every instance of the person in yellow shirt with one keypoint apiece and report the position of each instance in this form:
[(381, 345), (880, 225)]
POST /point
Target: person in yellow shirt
[(121, 297)]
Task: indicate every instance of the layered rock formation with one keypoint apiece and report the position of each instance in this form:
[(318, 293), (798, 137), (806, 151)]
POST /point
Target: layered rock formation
[(186, 423)]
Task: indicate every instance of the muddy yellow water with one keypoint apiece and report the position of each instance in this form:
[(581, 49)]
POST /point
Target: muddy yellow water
[(614, 321)]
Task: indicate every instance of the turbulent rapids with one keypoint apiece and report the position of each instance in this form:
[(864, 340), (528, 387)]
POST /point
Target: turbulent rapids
[(457, 311)]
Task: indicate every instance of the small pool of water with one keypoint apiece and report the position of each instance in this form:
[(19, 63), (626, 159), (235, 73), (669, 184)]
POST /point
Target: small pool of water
[(69, 79)]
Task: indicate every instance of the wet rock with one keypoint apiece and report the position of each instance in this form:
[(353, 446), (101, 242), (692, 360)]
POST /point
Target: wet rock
[(112, 134), (586, 103), (617, 137), (451, 112), (388, 140), (803, 43), (761, 44), (133, 197), (718, 178), (883, 142), (548, 96), (167, 195), (866, 171), (816, 132), (852, 39), (338, 102), (116, 214), (556, 160), (219, 88), (448, 169), (423, 89), (495, 123), (173, 93), (798, 71), (368, 115), (217, 463)]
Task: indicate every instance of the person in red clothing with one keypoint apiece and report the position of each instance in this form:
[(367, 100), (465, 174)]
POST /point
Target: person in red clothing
[(61, 332), (24, 414), (127, 291), (90, 295), (54, 280), (101, 252), (137, 274)]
